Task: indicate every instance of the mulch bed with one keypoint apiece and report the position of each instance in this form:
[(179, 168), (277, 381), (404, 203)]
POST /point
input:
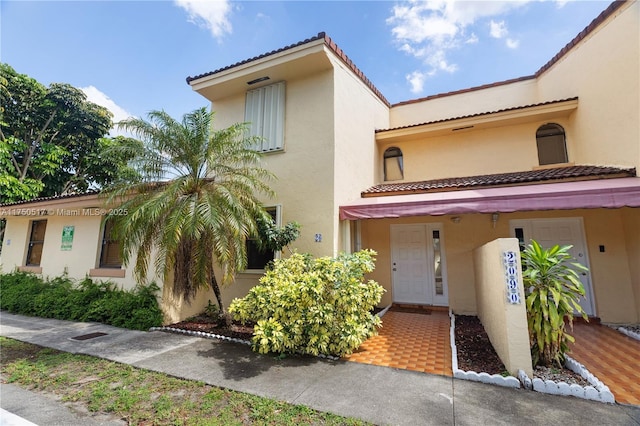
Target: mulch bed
[(475, 351), (209, 325)]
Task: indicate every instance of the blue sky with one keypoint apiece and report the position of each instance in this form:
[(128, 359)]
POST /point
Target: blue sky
[(134, 56)]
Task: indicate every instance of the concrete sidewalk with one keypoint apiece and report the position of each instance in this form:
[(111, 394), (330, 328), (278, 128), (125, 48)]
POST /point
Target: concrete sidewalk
[(377, 394)]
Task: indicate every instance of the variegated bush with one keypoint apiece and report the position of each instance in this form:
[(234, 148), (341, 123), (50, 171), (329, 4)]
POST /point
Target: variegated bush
[(313, 305)]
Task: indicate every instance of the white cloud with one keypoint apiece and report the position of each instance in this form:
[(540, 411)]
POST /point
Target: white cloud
[(512, 44), (429, 29), (561, 3), (498, 29), (416, 80), (97, 97), (210, 14)]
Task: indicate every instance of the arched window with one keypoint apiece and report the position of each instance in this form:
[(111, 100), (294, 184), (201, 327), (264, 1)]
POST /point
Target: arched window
[(552, 146), (393, 167)]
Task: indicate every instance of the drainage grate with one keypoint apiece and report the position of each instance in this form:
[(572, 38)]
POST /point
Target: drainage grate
[(89, 336)]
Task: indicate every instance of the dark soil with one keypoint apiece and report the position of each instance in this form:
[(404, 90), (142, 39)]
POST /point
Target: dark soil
[(208, 324), (475, 351)]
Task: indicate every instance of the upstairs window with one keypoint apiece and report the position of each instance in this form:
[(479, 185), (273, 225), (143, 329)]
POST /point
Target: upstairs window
[(257, 259), (393, 167), (36, 242), (110, 250), (264, 111), (552, 147)]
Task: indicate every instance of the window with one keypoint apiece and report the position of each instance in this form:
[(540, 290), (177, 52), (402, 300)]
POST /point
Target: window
[(36, 242), (110, 250), (393, 167), (437, 262), (552, 147), (264, 111), (257, 259)]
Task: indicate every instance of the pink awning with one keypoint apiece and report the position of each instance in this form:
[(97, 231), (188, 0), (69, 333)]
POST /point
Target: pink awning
[(603, 193)]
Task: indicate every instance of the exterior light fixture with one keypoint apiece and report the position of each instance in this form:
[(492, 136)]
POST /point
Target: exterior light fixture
[(494, 218), (455, 219)]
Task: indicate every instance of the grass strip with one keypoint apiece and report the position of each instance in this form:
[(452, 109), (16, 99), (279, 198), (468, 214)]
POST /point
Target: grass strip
[(145, 397)]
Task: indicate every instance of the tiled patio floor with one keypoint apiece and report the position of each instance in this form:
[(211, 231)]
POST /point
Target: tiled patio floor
[(611, 356), (410, 341)]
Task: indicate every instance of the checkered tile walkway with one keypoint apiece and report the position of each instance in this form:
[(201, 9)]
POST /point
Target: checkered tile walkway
[(611, 356), (410, 341)]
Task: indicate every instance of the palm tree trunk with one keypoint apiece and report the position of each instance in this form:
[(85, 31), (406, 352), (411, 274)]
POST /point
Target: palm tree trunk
[(216, 290)]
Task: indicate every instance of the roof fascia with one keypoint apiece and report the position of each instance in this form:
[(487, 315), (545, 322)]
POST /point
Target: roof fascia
[(53, 206), (479, 121), (260, 64)]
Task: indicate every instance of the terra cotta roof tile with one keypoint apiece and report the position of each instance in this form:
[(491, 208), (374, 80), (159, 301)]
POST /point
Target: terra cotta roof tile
[(546, 175)]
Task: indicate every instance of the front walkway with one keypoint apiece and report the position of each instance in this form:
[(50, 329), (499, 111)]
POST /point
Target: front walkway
[(610, 356), (410, 341), (376, 394)]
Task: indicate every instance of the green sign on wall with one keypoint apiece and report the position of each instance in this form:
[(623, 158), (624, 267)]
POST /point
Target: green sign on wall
[(67, 238)]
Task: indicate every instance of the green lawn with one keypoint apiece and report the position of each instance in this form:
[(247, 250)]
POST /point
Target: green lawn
[(145, 397)]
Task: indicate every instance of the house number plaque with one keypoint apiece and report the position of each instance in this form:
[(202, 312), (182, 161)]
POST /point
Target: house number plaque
[(510, 261)]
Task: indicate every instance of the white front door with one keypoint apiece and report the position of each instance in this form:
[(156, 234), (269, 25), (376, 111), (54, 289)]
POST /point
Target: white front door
[(562, 231), (418, 265)]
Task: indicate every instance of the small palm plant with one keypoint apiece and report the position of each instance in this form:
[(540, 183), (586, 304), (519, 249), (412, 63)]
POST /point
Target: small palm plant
[(553, 291)]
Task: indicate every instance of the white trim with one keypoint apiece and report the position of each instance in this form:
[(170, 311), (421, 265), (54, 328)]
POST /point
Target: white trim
[(433, 298)]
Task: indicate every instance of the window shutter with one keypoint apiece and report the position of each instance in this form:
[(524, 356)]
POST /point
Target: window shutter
[(264, 110)]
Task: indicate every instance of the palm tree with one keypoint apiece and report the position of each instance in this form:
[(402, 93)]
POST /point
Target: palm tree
[(195, 202)]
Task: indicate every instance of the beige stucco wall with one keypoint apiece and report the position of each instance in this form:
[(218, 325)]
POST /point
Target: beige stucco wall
[(305, 167), (504, 322), (474, 152), (465, 103), (77, 262), (631, 231), (357, 113), (613, 279), (611, 273), (603, 71)]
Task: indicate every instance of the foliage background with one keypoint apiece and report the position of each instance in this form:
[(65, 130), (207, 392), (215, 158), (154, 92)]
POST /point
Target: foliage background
[(60, 298)]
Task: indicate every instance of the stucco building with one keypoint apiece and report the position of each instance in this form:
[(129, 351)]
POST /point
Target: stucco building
[(428, 183)]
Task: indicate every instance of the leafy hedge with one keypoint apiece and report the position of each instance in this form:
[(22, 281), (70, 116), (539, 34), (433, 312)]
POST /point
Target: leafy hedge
[(59, 298), (313, 306)]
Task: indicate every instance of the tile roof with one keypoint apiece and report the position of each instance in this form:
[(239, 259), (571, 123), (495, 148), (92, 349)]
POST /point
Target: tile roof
[(480, 114), (52, 198), (340, 53), (548, 175), (320, 36)]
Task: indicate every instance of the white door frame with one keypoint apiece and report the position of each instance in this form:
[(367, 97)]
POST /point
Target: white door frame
[(527, 227), (431, 298)]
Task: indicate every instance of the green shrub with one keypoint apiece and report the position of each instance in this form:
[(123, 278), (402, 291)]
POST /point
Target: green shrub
[(553, 291), (59, 298), (313, 306)]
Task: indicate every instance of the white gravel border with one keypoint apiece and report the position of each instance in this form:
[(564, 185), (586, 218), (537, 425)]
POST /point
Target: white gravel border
[(201, 334), (221, 337), (596, 391), (493, 379), (629, 333)]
